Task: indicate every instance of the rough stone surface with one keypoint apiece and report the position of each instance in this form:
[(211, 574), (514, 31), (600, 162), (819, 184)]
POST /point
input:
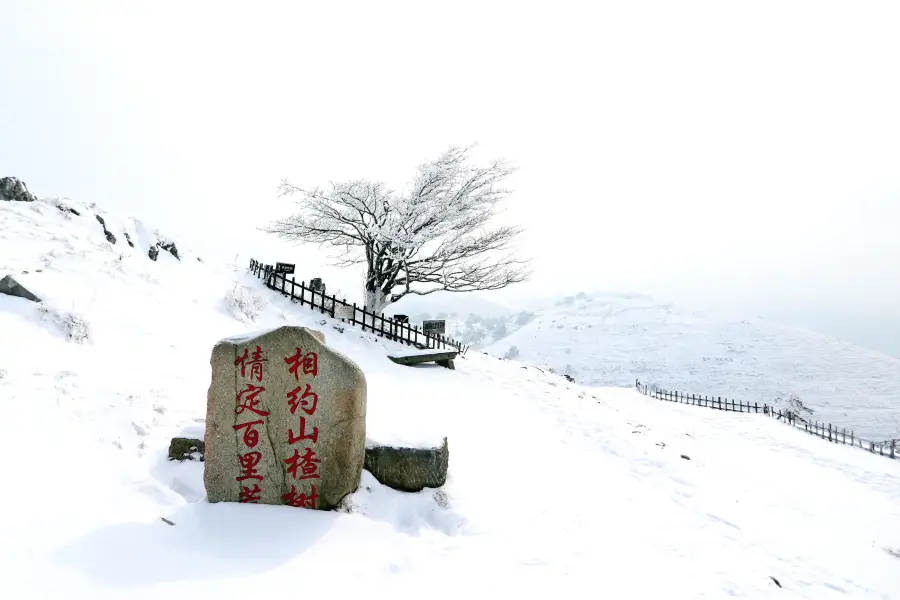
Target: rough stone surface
[(170, 248), (185, 448), (14, 190), (154, 253), (263, 420), (11, 287), (109, 236), (409, 469), (64, 208)]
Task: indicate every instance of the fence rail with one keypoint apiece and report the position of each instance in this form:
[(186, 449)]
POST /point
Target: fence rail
[(383, 326), (826, 431)]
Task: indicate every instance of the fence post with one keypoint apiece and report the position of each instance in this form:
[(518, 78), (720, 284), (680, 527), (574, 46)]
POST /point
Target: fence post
[(893, 442), (756, 407), (829, 432), (851, 437), (720, 402), (293, 287)]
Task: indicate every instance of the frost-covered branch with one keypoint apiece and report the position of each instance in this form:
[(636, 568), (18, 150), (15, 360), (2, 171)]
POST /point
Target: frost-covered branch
[(436, 236)]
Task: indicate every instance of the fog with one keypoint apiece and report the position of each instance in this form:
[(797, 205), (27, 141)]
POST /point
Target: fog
[(720, 156)]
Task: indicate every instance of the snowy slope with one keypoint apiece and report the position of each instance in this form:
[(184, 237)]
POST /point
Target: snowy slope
[(554, 490), (610, 339)]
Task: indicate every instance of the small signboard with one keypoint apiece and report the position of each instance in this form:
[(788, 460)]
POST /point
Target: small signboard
[(434, 327), (342, 311), (286, 268)]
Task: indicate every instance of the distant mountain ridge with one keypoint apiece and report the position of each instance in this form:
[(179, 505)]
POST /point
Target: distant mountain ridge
[(604, 339)]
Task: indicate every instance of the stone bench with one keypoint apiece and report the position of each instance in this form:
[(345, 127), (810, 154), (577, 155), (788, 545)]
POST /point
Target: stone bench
[(443, 358)]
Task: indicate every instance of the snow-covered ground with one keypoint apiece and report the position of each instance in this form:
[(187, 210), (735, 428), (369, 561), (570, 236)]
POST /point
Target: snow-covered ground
[(554, 489), (613, 339)]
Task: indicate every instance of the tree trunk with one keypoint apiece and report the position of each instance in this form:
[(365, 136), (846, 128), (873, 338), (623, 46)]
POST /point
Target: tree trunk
[(376, 300)]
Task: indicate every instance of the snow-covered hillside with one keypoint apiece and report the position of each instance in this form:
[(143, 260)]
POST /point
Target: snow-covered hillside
[(611, 340), (554, 490)]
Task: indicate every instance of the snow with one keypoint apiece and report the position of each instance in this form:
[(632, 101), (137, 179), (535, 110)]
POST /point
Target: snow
[(554, 489), (613, 339), (413, 351)]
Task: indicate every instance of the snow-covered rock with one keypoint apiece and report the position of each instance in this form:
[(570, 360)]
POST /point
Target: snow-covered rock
[(14, 190)]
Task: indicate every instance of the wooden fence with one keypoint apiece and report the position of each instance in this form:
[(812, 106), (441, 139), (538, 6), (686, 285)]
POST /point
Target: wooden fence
[(383, 326), (826, 431)]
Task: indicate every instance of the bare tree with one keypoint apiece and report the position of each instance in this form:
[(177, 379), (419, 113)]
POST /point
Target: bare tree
[(434, 237)]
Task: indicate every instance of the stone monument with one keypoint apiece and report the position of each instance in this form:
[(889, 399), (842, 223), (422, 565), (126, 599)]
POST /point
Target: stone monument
[(285, 421)]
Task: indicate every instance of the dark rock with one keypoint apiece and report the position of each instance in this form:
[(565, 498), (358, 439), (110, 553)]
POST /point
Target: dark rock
[(685, 457), (13, 190), (569, 378), (11, 287), (778, 583), (184, 448), (409, 469), (128, 239), (109, 236), (154, 252), (170, 247), (64, 208)]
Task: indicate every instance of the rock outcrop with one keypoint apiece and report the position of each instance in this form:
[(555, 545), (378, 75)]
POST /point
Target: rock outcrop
[(11, 287), (109, 236), (14, 190)]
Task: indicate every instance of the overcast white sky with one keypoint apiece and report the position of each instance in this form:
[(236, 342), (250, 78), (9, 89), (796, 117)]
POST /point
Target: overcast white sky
[(713, 153)]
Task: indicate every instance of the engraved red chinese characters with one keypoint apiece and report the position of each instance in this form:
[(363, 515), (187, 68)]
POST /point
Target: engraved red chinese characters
[(247, 400), (251, 436), (299, 499), (308, 401), (248, 463), (293, 439), (307, 464), (250, 495), (309, 362), (255, 364)]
